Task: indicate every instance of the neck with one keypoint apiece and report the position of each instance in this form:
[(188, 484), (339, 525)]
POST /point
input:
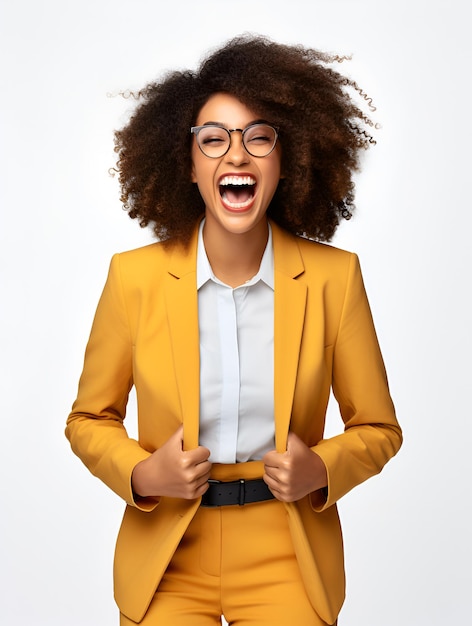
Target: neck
[(235, 257)]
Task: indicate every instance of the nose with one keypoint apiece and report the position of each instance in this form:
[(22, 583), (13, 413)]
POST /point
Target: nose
[(237, 154)]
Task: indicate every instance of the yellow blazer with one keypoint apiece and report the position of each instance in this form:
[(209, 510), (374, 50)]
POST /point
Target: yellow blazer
[(145, 333)]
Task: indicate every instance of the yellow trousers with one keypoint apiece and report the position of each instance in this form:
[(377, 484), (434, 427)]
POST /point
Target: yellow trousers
[(233, 561)]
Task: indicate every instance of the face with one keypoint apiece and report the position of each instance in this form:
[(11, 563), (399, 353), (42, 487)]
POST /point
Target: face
[(237, 188)]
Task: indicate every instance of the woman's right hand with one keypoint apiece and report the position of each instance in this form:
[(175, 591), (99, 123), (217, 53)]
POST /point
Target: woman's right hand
[(171, 471)]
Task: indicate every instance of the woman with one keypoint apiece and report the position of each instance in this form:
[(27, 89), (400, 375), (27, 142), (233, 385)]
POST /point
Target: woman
[(233, 329)]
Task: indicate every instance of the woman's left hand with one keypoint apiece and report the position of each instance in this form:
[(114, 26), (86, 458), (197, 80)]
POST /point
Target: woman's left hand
[(295, 473)]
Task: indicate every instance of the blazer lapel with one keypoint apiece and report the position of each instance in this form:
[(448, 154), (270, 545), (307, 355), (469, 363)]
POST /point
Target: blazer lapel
[(182, 311), (289, 317)]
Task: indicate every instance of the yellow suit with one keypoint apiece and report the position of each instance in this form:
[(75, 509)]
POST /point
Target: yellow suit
[(145, 333)]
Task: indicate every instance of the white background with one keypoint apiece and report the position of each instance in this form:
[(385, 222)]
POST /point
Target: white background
[(407, 532)]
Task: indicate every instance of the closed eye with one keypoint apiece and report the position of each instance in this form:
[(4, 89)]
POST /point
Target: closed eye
[(212, 140), (260, 139)]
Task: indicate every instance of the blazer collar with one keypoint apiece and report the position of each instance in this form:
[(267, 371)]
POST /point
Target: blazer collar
[(288, 259)]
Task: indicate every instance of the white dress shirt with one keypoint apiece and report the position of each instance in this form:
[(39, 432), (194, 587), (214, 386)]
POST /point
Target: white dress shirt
[(236, 361)]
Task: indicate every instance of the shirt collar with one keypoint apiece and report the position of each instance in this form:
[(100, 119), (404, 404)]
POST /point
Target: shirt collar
[(205, 273)]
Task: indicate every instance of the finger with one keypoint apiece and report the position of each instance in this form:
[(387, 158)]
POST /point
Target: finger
[(271, 473), (203, 488), (202, 471), (293, 442), (280, 490), (202, 453), (198, 455), (176, 439), (273, 479), (273, 487), (269, 481), (271, 459)]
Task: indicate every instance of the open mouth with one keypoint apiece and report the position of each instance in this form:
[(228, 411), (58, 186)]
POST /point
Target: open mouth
[(237, 192)]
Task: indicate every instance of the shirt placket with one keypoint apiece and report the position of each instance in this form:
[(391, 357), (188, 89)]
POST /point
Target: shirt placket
[(228, 329)]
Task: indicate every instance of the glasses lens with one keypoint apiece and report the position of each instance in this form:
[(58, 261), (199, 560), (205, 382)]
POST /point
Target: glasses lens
[(259, 139), (213, 141)]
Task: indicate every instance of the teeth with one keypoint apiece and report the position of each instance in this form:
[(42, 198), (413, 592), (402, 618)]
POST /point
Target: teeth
[(237, 205), (237, 180)]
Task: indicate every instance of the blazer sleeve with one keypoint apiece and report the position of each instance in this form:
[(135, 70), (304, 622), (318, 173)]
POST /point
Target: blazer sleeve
[(372, 434), (95, 426)]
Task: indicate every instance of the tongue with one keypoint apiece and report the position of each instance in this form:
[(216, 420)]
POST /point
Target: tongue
[(237, 195)]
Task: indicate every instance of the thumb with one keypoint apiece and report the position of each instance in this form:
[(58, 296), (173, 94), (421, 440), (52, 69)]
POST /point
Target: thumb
[(176, 440), (293, 442)]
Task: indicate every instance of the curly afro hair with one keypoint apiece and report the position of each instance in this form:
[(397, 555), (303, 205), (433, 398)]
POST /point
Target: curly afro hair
[(321, 130)]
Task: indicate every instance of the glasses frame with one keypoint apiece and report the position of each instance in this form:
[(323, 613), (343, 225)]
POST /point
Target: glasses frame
[(195, 130)]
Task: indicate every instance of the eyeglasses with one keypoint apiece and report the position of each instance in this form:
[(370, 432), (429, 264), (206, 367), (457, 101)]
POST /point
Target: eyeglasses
[(214, 140)]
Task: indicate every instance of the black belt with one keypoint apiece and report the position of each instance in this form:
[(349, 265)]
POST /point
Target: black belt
[(236, 492)]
